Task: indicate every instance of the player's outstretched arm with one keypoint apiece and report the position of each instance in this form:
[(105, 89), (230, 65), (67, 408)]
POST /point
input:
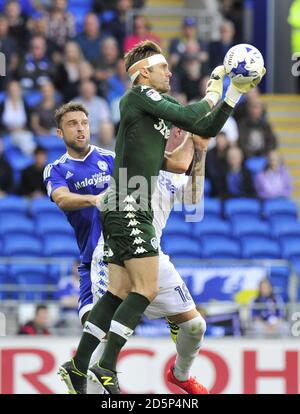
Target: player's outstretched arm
[(179, 160), (68, 201)]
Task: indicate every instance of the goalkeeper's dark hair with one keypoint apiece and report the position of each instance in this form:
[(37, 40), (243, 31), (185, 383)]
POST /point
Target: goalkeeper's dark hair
[(141, 51), (68, 107)]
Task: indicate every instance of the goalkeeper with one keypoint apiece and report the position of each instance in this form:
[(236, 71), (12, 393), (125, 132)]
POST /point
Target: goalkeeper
[(146, 117)]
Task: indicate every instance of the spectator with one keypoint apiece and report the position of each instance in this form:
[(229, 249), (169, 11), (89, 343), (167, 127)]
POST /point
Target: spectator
[(275, 180), (17, 23), (42, 120), (68, 294), (116, 25), (255, 133), (90, 38), (106, 67), (216, 164), (178, 45), (9, 47), (238, 179), (141, 31), (39, 27), (15, 118), (242, 109), (267, 312), (6, 174), (36, 68), (117, 86), (68, 71), (61, 24), (86, 72), (99, 113), (32, 184), (217, 50), (38, 326), (191, 73)]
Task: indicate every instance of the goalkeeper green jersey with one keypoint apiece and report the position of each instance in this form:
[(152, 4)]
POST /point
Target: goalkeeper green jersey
[(146, 118)]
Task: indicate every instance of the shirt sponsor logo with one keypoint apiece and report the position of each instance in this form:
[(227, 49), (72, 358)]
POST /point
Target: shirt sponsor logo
[(95, 180), (154, 95), (162, 128)]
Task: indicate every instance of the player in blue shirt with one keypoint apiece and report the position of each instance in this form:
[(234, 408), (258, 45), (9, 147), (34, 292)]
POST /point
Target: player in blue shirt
[(75, 183)]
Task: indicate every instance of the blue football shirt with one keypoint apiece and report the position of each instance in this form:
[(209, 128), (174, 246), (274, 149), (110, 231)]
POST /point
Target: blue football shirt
[(90, 175)]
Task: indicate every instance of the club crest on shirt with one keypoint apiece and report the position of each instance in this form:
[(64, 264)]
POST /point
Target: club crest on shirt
[(154, 243), (102, 165)]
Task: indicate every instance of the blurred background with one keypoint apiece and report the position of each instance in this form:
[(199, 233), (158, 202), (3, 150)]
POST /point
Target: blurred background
[(241, 262)]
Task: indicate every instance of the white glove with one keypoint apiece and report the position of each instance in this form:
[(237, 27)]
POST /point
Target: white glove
[(236, 90), (214, 89)]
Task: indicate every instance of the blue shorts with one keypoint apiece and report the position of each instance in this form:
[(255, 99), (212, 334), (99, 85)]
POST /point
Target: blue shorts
[(85, 302)]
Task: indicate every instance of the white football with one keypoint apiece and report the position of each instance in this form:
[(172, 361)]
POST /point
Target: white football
[(244, 63)]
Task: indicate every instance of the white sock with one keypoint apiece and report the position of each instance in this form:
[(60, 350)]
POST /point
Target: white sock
[(188, 343), (92, 387)]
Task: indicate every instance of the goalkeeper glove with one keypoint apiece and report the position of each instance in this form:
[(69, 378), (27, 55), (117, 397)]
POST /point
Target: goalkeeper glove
[(214, 89), (236, 90)]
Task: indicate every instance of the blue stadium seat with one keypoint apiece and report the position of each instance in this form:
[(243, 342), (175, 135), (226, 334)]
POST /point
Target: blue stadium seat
[(207, 186), (220, 248), (13, 204), (256, 164), (22, 245), (274, 209), (291, 248), (28, 275), (61, 246), (44, 206), (260, 248), (33, 98), (279, 276), (177, 226), (212, 207), (286, 229), (183, 247), (242, 206), (55, 225), (212, 226), (54, 155), (51, 142), (251, 227), (12, 224)]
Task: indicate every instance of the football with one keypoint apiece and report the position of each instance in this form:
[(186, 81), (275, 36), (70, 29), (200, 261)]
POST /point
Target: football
[(244, 63)]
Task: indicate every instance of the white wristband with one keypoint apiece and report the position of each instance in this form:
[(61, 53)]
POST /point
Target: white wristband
[(213, 96), (232, 96)]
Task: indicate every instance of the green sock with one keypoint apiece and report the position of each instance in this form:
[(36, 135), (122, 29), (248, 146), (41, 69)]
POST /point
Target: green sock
[(100, 316), (127, 316)]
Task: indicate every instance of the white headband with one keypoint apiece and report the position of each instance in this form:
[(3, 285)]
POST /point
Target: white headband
[(134, 69)]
